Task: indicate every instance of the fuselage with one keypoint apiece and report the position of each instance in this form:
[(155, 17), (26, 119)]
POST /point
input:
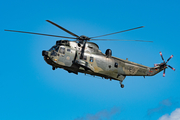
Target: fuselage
[(66, 55)]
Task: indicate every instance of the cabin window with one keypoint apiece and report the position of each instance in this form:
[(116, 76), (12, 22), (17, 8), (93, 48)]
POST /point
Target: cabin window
[(85, 57), (69, 50), (116, 64), (91, 59), (62, 50)]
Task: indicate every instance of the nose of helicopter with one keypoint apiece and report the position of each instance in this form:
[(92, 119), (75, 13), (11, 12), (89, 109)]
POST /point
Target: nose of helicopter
[(44, 53), (46, 57)]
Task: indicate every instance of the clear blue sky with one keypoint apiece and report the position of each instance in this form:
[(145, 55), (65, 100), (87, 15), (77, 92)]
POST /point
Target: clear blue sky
[(31, 90)]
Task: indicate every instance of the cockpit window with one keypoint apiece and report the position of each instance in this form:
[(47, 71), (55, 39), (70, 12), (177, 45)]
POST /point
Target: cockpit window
[(56, 49), (62, 50), (53, 48)]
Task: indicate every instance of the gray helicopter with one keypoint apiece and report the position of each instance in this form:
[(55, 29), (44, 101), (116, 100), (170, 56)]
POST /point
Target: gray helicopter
[(83, 56)]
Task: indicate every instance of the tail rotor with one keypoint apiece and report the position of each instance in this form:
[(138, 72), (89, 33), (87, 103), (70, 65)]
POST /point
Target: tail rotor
[(164, 64)]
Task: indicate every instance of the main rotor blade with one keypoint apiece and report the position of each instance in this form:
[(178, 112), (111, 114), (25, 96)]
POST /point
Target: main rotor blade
[(40, 34), (118, 32), (63, 28), (120, 40)]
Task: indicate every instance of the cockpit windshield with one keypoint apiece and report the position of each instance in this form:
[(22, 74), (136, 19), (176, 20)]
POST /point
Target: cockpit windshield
[(56, 48), (52, 48)]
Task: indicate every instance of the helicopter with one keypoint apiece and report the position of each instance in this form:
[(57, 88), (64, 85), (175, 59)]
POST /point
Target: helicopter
[(83, 56)]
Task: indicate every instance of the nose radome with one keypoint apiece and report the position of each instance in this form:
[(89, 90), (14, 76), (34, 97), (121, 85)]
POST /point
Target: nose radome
[(44, 53)]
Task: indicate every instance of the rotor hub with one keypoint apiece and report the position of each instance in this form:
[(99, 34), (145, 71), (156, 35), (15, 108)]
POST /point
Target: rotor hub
[(83, 37)]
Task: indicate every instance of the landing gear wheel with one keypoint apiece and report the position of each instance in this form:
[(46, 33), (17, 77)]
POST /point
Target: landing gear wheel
[(53, 68), (122, 85)]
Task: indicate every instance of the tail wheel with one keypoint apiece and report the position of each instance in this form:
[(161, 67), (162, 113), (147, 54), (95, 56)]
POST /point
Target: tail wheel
[(122, 85)]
